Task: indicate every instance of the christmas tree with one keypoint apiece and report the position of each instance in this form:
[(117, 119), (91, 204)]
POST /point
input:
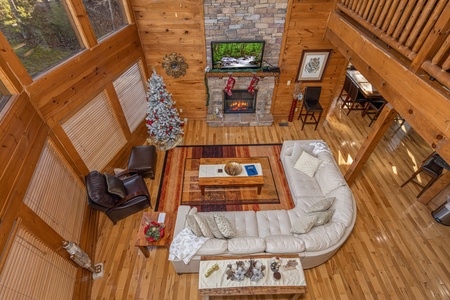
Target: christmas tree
[(163, 122)]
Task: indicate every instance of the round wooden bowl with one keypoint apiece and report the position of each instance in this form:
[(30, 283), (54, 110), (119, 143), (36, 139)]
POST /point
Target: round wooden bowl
[(233, 168)]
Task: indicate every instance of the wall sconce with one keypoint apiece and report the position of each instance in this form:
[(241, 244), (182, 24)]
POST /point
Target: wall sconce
[(82, 259)]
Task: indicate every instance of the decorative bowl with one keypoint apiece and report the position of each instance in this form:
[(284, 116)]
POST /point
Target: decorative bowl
[(233, 168)]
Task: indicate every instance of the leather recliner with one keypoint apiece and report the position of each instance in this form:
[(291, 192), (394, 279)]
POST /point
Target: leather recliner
[(117, 196)]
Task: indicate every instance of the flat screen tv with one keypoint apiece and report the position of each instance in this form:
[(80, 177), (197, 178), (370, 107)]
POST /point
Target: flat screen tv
[(237, 54)]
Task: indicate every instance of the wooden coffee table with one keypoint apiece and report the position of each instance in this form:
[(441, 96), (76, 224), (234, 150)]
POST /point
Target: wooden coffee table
[(224, 180), (169, 222), (267, 286)]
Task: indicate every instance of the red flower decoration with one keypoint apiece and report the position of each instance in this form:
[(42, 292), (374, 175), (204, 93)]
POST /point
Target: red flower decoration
[(154, 231)]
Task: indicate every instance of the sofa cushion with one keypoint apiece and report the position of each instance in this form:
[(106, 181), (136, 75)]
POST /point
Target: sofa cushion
[(284, 244), (225, 226), (193, 225), (343, 205), (246, 245), (213, 247), (300, 184), (296, 150), (272, 222), (307, 164), (322, 237), (303, 224), (204, 227), (321, 205), (328, 176)]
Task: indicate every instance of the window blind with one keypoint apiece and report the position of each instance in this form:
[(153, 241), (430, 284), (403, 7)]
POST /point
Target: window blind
[(34, 271), (95, 133), (56, 194), (130, 89)]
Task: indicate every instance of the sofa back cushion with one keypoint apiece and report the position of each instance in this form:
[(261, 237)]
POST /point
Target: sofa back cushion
[(328, 175), (273, 222), (344, 209), (322, 237)]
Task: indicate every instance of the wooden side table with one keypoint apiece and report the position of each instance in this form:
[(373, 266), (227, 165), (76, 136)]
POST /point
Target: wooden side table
[(169, 222)]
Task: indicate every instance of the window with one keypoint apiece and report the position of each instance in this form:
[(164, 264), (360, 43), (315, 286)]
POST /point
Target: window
[(95, 132), (106, 16), (4, 95), (34, 271), (56, 194), (40, 32), (130, 89)]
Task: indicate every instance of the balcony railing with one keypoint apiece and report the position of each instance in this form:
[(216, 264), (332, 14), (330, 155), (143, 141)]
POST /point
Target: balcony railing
[(419, 30)]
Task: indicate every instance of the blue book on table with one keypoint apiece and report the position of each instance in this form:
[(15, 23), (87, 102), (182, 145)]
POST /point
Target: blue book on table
[(251, 170)]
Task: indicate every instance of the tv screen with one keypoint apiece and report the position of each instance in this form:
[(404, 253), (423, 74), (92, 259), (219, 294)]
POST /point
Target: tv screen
[(237, 54)]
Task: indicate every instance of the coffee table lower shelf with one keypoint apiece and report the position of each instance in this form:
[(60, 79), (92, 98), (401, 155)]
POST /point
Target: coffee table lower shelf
[(295, 290)]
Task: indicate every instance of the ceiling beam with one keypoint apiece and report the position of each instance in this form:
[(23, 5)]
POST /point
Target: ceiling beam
[(424, 107)]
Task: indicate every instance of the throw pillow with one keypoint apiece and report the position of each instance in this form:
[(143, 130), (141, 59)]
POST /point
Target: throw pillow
[(303, 224), (321, 205), (115, 186), (225, 226), (307, 164), (201, 221), (322, 216), (213, 227), (193, 225)]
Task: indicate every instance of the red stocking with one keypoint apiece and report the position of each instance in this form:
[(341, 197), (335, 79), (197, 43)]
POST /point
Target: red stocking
[(230, 84), (252, 86)]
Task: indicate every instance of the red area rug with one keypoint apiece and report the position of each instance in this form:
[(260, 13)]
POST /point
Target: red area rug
[(179, 183)]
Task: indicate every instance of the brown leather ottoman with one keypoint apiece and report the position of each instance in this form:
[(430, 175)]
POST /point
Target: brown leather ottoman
[(143, 160)]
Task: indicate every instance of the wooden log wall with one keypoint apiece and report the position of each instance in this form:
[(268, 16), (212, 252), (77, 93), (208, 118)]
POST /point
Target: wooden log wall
[(176, 26), (35, 114), (305, 28)]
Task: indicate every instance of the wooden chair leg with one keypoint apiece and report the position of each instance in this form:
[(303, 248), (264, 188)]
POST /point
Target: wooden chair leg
[(412, 176)]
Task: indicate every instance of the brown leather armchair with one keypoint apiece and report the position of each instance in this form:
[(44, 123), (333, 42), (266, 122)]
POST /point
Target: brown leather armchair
[(117, 196)]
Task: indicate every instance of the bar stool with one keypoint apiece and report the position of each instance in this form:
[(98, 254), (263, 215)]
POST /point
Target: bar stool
[(373, 109), (311, 106), (433, 166), (344, 95)]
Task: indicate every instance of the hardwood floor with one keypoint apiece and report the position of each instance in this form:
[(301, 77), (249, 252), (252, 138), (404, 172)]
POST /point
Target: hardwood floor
[(396, 250)]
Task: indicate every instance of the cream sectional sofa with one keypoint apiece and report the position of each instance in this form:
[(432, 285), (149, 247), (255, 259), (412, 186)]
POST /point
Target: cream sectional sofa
[(268, 232)]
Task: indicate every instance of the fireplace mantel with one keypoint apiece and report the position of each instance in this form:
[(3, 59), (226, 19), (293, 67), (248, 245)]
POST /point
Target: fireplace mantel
[(243, 74)]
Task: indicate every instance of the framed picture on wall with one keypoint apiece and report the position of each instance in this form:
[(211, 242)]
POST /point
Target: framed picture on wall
[(312, 65)]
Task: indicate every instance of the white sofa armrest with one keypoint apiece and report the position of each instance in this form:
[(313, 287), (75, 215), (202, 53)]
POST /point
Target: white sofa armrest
[(183, 211)]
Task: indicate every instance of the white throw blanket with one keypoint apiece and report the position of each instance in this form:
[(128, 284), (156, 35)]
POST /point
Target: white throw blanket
[(320, 147), (185, 245)]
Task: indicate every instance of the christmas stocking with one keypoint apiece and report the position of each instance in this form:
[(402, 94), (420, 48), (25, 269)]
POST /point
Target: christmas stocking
[(252, 86), (230, 84)]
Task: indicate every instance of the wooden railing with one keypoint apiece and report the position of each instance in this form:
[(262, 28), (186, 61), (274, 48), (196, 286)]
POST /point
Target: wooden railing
[(418, 30)]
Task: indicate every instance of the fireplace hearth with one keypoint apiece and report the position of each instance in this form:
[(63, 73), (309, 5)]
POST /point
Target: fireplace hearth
[(241, 101)]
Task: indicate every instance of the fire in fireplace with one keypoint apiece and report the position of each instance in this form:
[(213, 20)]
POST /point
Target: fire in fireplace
[(241, 101)]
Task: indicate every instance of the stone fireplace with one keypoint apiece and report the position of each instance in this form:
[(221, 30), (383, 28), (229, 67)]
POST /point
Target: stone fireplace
[(260, 114), (250, 20)]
